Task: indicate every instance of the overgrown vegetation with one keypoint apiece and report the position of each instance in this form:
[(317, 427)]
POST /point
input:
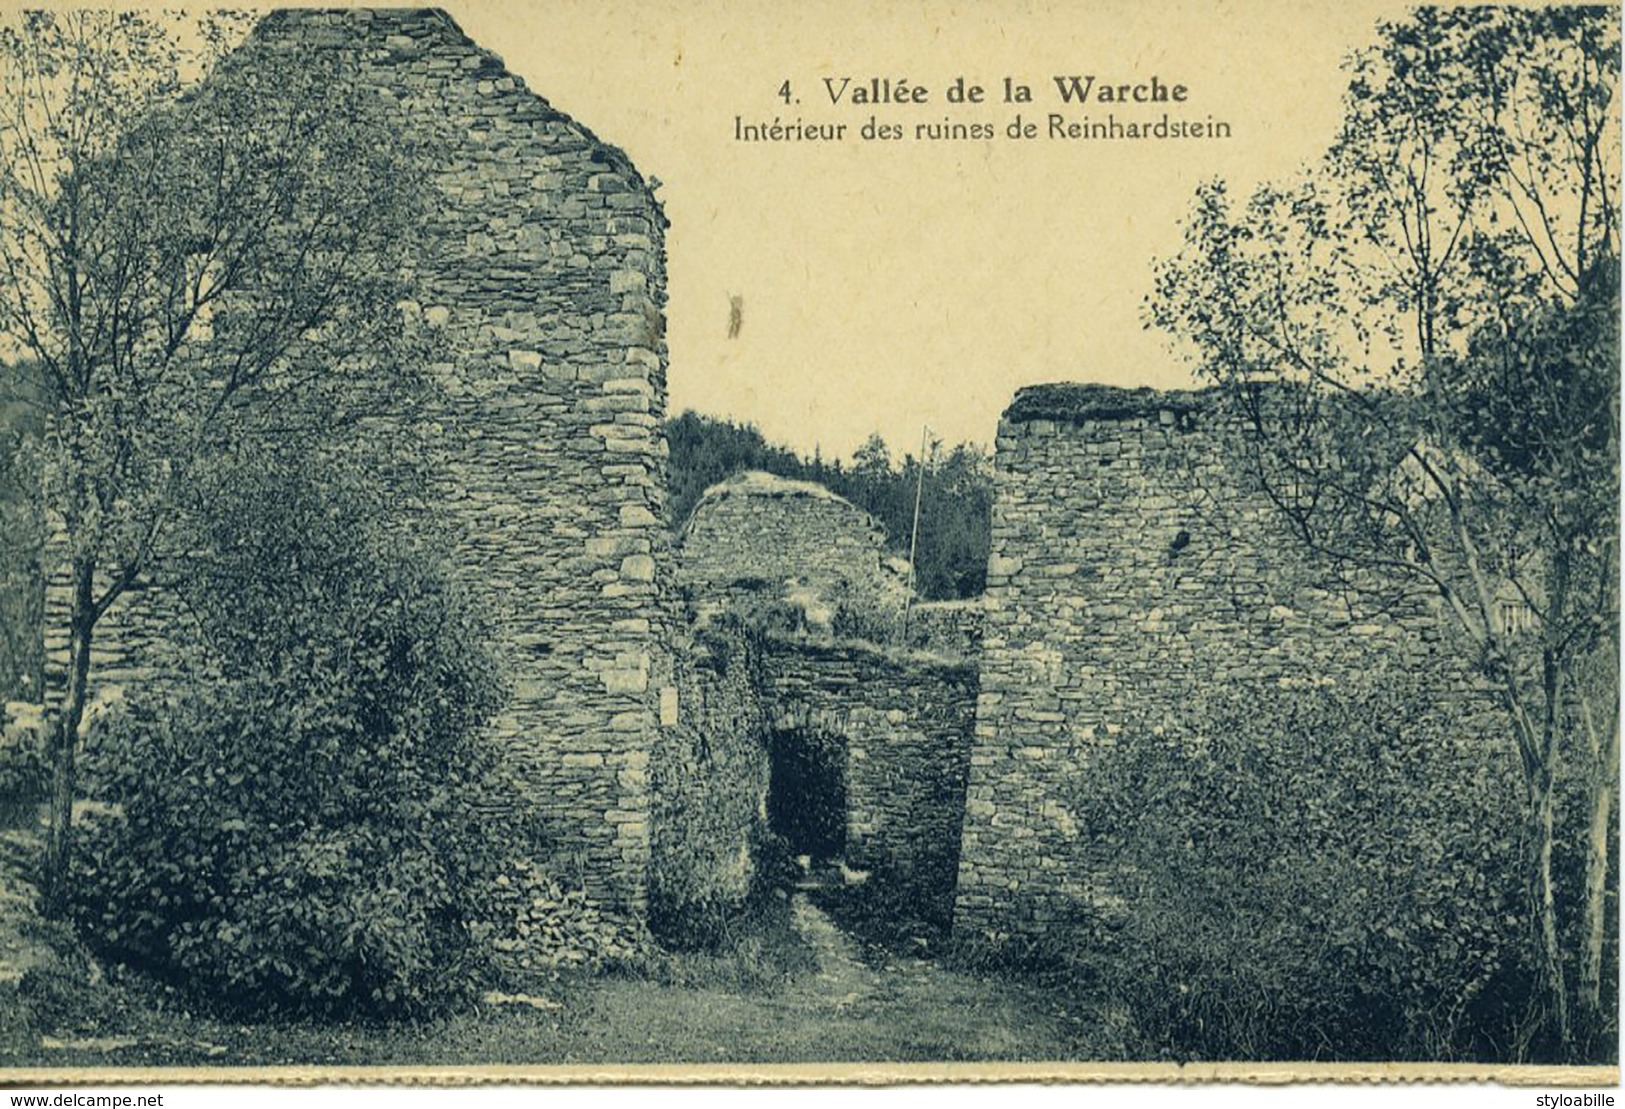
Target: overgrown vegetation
[(956, 502), (22, 584), (1418, 337), (295, 827), (181, 271), (749, 947), (1308, 874)]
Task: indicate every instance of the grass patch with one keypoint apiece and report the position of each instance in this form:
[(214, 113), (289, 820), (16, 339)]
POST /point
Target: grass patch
[(759, 951)]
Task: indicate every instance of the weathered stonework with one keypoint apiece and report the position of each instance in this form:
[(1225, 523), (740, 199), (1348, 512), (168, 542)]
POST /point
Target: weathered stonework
[(906, 724), (708, 782), (897, 721), (1129, 567), (545, 273), (773, 548)]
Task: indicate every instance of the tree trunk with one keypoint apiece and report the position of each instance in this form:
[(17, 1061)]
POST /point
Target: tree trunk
[(1542, 819), (1604, 785), (59, 836), (1543, 906)]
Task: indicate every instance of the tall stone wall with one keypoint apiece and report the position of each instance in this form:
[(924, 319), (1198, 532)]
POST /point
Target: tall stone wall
[(546, 274), (1129, 567), (906, 723)]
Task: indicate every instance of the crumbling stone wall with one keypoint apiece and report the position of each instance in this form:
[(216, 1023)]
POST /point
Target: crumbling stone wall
[(950, 628), (907, 723), (545, 274), (808, 572), (793, 557), (1128, 568), (708, 783)]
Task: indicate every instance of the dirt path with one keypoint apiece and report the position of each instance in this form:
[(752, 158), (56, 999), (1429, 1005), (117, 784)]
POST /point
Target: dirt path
[(898, 1009)]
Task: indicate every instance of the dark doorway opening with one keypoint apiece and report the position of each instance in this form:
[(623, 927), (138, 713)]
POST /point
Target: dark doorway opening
[(806, 795)]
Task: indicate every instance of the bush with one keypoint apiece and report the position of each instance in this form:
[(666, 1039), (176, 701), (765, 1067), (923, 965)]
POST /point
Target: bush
[(1311, 874), (758, 949), (25, 771), (297, 827), (534, 925)]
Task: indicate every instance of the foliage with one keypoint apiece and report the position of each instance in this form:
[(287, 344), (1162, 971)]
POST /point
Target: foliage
[(22, 593), (1310, 874), (24, 768), (712, 858), (299, 829), (187, 269), (956, 503), (1417, 344), (751, 948), (536, 925), (887, 910), (854, 616), (692, 912)]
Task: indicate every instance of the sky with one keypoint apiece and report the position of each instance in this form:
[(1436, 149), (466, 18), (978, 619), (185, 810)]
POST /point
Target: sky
[(883, 286)]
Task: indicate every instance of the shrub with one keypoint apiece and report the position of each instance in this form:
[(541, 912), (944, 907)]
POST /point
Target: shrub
[(712, 859), (24, 767), (534, 924), (298, 828), (1310, 873), (758, 949)]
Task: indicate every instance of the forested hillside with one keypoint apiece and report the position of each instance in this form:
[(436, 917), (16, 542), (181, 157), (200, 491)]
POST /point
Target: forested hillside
[(956, 500)]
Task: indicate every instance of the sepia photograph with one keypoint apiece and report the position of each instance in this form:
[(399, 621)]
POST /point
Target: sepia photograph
[(828, 543)]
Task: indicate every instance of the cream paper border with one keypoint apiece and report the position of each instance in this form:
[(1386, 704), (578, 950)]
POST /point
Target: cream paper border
[(642, 100), (834, 1074)]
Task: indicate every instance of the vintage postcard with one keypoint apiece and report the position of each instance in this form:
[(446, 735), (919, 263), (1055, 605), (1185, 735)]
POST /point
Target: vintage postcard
[(834, 543)]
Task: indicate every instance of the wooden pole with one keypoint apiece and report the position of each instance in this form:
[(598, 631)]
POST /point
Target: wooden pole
[(914, 534)]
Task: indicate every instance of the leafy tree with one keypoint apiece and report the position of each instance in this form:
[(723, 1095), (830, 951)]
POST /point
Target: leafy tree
[(186, 268), (1418, 340)]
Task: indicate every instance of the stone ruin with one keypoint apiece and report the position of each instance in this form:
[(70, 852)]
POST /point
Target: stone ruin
[(630, 732), (1130, 566), (794, 553), (1126, 566), (546, 273), (843, 740)]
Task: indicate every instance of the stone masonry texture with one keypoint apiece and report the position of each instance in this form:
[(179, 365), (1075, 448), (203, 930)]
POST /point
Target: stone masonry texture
[(546, 272), (806, 572), (1129, 567), (758, 542), (904, 722)]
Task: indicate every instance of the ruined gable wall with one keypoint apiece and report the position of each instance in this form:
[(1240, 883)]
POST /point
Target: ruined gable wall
[(549, 278), (546, 275), (1128, 569)]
